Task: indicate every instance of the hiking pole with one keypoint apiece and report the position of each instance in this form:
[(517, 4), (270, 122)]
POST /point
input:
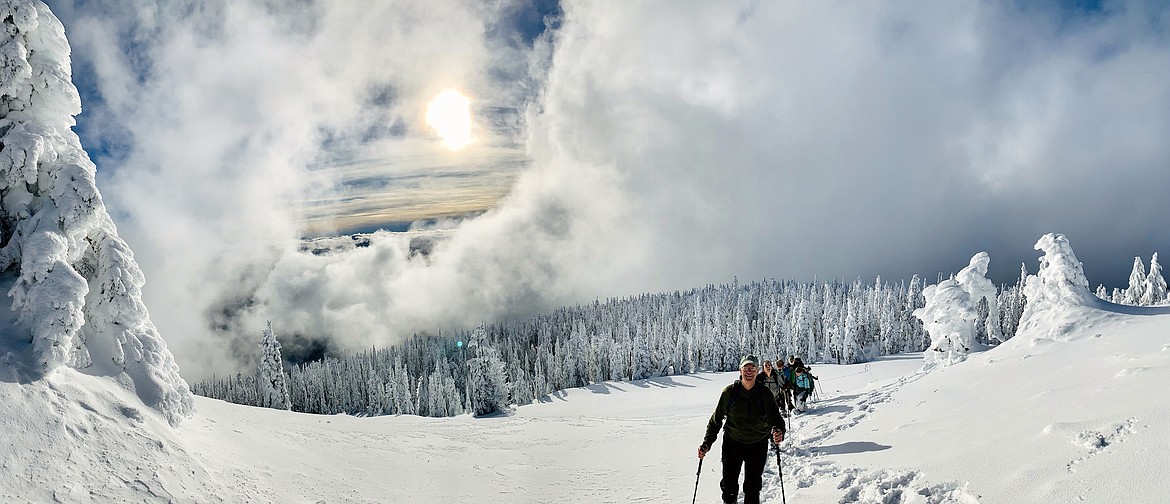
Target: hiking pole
[(697, 473), (780, 470)]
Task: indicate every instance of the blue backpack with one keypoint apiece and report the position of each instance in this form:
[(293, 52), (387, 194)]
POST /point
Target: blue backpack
[(803, 381)]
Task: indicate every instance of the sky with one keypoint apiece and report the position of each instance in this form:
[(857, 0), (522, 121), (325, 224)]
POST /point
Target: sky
[(656, 146), (1010, 424)]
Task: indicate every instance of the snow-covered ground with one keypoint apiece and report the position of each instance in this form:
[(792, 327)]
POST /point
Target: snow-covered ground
[(1073, 411)]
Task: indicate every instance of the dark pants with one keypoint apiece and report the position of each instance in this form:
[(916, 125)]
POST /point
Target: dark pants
[(752, 457), (785, 400)]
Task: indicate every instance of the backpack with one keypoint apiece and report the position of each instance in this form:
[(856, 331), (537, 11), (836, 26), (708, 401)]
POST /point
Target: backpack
[(786, 374), (803, 381)]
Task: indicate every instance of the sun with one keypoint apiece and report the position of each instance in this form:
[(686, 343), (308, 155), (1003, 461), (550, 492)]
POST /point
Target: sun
[(449, 114)]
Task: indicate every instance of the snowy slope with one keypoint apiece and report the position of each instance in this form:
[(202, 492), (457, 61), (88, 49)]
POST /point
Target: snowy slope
[(1074, 411), (1074, 414)]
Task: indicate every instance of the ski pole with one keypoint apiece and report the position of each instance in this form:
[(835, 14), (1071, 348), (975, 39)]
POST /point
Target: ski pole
[(697, 473), (779, 469)]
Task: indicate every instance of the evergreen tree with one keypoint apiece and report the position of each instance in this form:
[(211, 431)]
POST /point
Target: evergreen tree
[(271, 387), (487, 385), (1155, 288), (974, 280), (1060, 281), (850, 347), (982, 319), (1015, 303), (1137, 283), (949, 317), (1118, 296), (73, 281), (917, 339)]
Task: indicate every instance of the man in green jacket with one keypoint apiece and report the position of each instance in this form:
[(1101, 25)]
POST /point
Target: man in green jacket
[(751, 414)]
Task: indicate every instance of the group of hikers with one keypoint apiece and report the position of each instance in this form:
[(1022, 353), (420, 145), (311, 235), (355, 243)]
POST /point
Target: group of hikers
[(791, 384), (750, 417)]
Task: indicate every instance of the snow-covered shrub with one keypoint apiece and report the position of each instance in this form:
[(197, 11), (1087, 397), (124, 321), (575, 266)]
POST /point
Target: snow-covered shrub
[(77, 288)]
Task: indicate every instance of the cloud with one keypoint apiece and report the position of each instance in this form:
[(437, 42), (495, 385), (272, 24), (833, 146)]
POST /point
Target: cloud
[(226, 126), (836, 141), (666, 145)]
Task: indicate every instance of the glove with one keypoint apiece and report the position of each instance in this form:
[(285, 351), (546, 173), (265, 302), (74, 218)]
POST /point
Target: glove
[(703, 449)]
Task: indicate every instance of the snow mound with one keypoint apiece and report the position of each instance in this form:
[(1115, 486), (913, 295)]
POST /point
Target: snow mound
[(72, 437)]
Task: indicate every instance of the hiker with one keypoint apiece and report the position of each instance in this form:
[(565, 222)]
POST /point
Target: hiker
[(771, 379), (751, 415), (803, 385), (800, 364), (787, 374)]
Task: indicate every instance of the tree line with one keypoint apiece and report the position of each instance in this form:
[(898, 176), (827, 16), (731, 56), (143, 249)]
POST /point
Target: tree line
[(496, 365)]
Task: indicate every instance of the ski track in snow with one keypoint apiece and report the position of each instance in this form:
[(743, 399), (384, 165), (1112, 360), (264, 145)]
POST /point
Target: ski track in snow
[(805, 467)]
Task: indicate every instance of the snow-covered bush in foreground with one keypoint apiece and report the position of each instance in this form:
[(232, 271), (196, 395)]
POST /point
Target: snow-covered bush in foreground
[(73, 282)]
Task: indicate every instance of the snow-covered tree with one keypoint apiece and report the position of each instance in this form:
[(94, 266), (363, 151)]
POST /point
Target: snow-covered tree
[(949, 318), (1059, 283), (1155, 288), (1061, 278), (1137, 283), (75, 284), (983, 321), (974, 280), (1118, 296), (271, 387), (442, 395), (912, 326), (1016, 303), (398, 390), (487, 381)]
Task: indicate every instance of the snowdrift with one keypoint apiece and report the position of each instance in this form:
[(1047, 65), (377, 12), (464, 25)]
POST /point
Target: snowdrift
[(72, 437)]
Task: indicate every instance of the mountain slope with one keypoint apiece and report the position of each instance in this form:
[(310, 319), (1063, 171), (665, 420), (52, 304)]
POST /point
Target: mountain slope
[(1074, 410)]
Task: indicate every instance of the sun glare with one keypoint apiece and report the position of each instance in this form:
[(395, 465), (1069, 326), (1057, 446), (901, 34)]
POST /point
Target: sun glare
[(449, 114)]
